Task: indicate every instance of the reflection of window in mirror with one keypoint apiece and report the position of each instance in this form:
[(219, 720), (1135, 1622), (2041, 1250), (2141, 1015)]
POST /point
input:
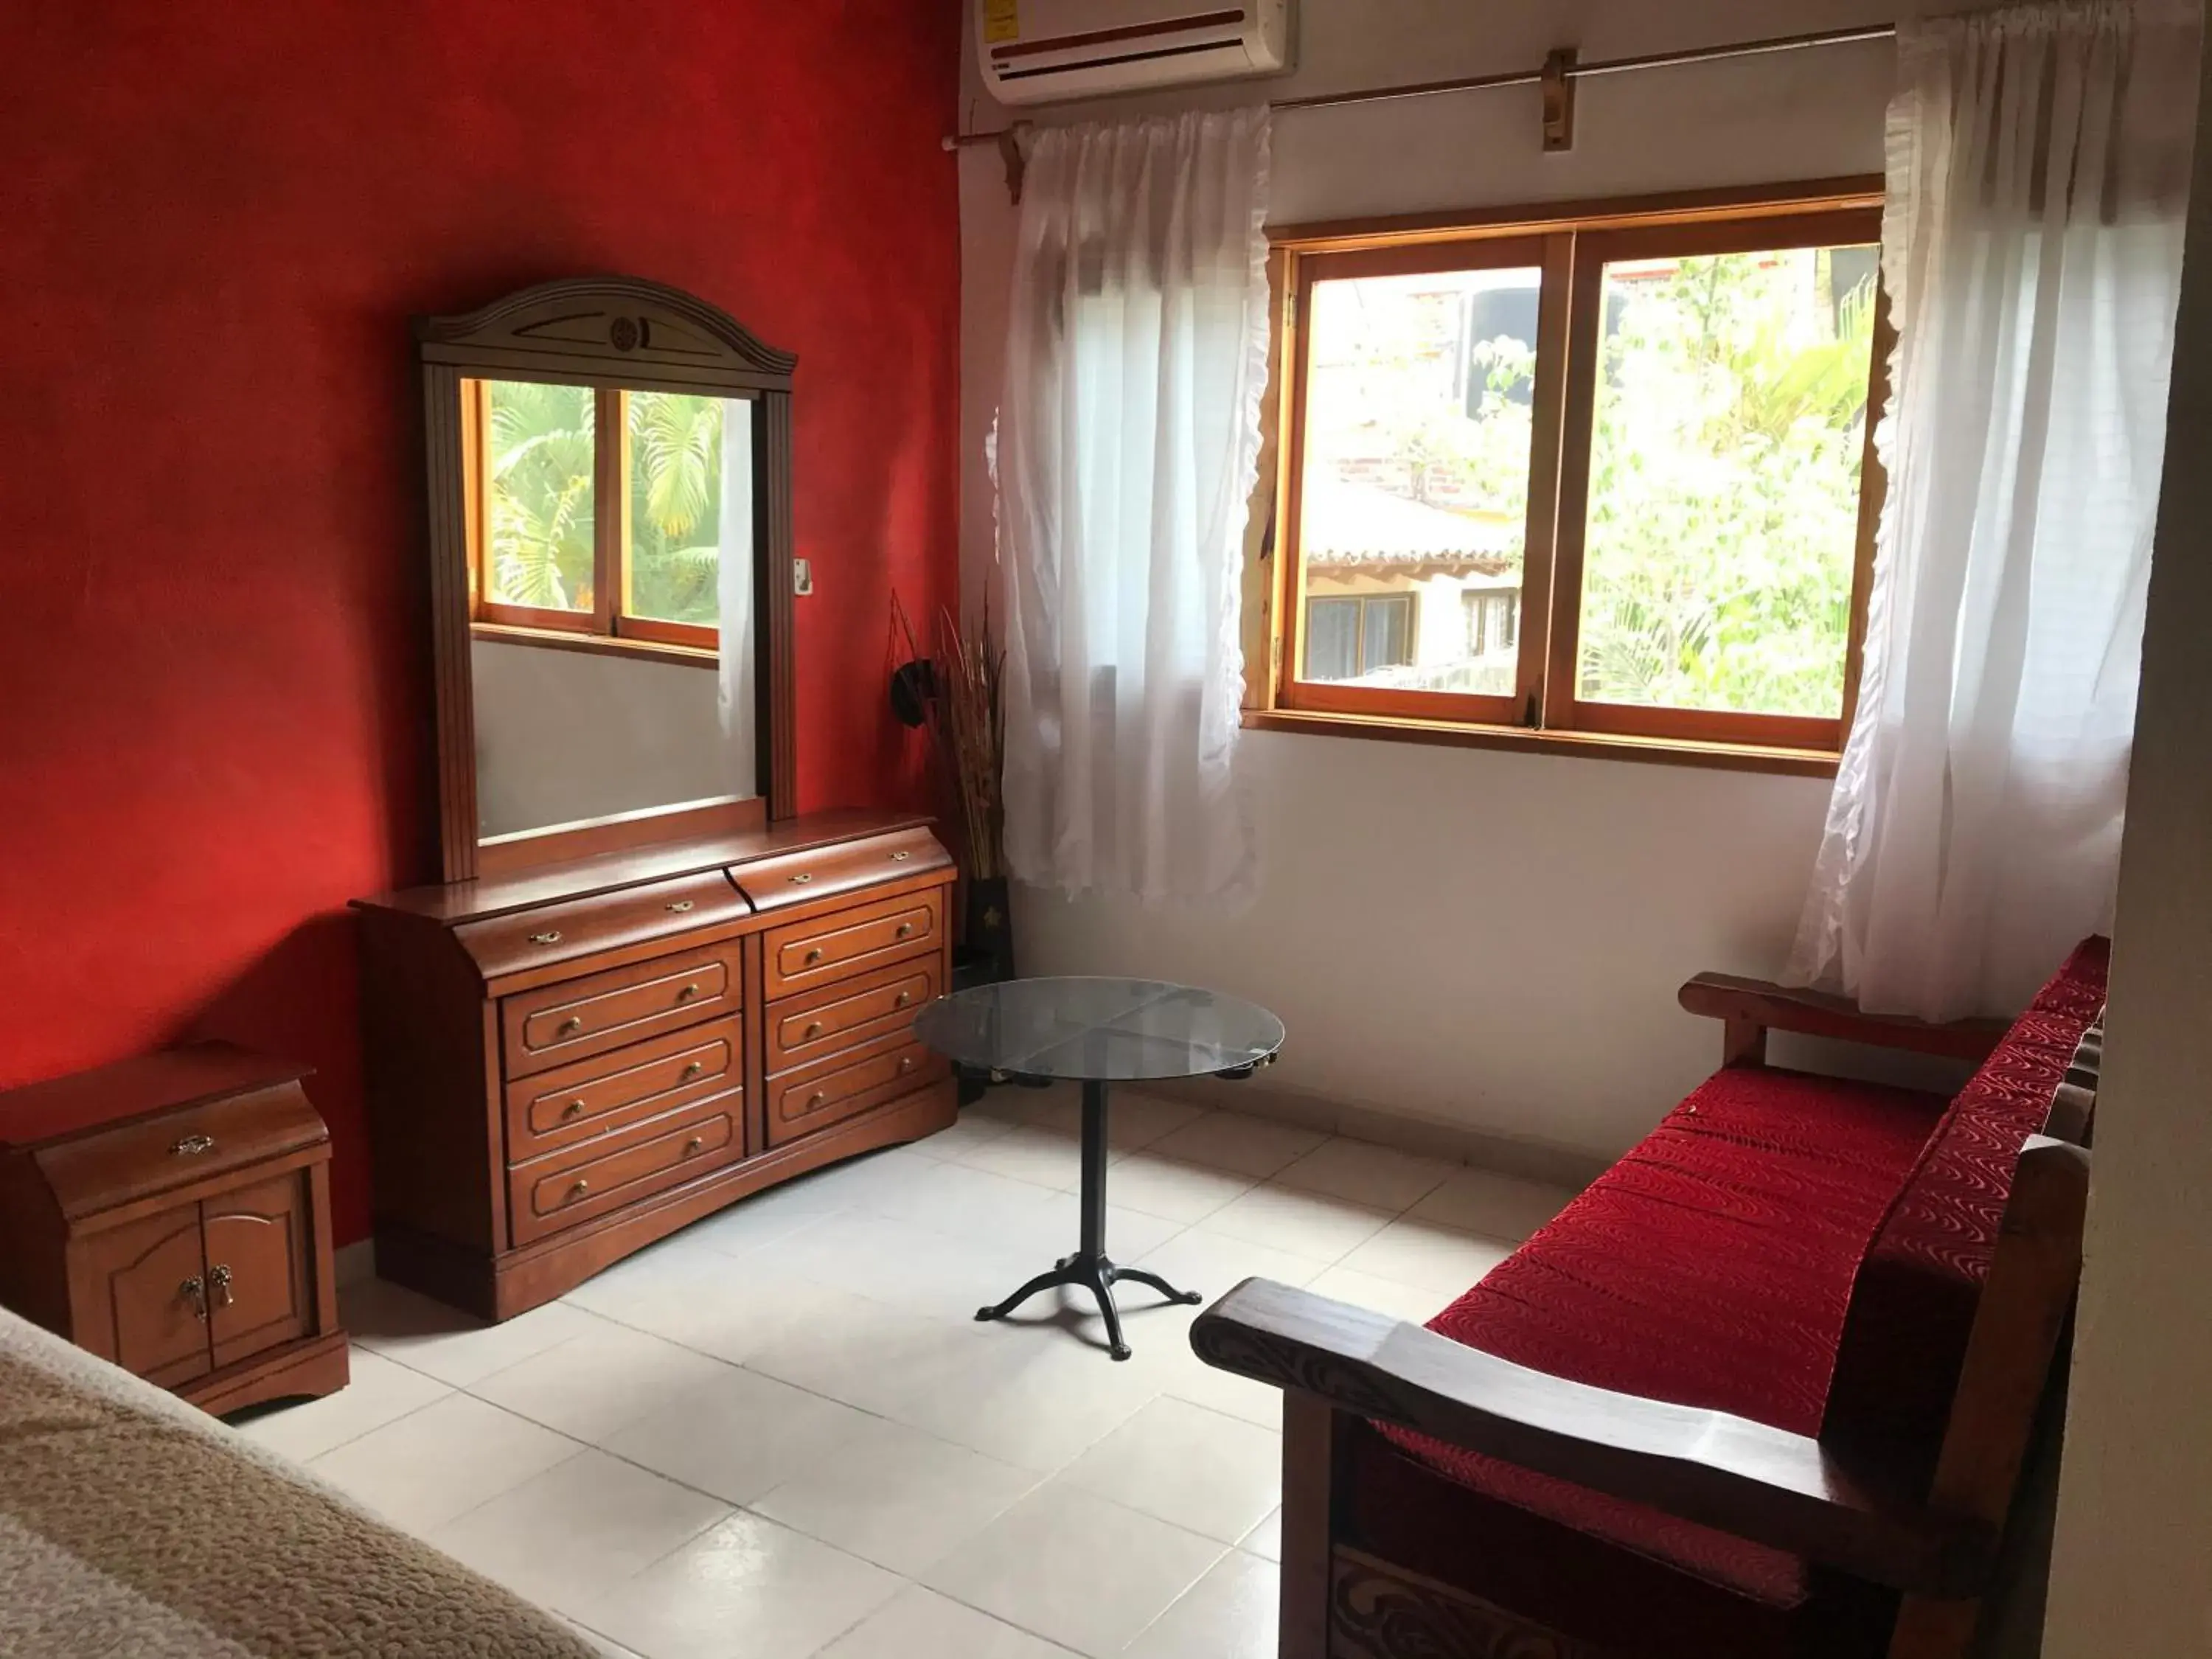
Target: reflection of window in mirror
[(599, 511)]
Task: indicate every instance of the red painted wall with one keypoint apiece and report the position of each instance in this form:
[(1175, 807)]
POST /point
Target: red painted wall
[(214, 222)]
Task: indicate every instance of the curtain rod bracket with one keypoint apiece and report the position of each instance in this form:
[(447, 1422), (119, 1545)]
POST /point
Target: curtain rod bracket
[(1558, 86)]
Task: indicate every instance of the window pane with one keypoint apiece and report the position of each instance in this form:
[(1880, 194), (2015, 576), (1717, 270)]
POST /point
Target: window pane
[(675, 506), (1415, 487), (538, 495), (1387, 636), (1332, 639), (1724, 481)]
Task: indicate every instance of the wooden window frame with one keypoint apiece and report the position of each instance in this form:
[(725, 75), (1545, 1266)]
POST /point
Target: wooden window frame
[(609, 626), (1571, 244)]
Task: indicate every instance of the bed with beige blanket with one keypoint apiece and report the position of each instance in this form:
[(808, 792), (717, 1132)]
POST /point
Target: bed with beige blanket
[(132, 1524)]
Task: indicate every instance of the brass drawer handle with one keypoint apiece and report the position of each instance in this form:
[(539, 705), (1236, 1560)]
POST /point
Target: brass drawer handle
[(813, 956), (901, 858), (574, 1108), (192, 1146), (816, 1099), (813, 1032), (687, 993), (219, 1282), (579, 1190), (904, 997), (904, 928), (695, 1068), (692, 1146), (574, 1023), (800, 881), (680, 908), (551, 936), (194, 1292), (906, 1064)]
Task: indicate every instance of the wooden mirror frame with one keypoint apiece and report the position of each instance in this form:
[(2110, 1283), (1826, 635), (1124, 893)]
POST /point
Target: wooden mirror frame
[(620, 331)]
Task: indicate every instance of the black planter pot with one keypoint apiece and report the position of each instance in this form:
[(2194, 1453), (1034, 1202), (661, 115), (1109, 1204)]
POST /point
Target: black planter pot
[(986, 953)]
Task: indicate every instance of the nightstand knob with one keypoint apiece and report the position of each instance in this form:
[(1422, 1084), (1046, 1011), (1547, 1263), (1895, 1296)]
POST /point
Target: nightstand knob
[(579, 1190), (679, 908), (901, 858), (816, 1099), (194, 1291), (904, 997), (906, 1064), (552, 936), (219, 1282), (574, 1108), (192, 1146), (904, 928), (800, 881), (574, 1023), (813, 956), (687, 993), (695, 1068), (813, 1032), (693, 1144)]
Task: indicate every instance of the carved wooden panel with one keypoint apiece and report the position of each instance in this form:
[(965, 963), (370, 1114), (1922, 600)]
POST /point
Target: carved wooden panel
[(1379, 1611)]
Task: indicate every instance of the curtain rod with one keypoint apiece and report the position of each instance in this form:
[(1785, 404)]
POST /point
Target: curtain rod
[(1576, 71)]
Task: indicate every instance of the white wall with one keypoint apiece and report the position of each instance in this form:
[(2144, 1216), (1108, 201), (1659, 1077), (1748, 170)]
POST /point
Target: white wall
[(1486, 939), (2132, 1571), (566, 735)]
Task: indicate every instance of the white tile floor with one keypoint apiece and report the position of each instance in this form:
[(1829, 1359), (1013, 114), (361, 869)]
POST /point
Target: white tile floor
[(782, 1434)]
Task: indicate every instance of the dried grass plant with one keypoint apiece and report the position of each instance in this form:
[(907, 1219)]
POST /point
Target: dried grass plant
[(967, 722)]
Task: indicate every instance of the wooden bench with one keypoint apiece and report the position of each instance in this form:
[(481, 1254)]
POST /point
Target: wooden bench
[(1766, 1388)]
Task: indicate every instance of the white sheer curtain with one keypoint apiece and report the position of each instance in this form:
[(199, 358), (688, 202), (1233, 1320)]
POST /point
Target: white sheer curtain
[(1127, 442), (733, 585), (2038, 171)]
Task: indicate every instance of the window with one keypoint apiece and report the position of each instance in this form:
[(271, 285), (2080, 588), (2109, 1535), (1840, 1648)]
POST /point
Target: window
[(1359, 639), (1612, 473), (621, 540)]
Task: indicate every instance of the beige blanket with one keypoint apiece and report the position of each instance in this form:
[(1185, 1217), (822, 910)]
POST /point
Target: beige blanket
[(133, 1525)]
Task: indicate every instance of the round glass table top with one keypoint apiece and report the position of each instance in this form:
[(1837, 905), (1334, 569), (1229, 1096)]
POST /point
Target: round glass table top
[(1098, 1030)]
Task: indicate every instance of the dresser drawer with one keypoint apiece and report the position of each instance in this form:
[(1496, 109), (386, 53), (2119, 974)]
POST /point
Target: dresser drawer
[(560, 1108), (814, 1098), (607, 1173), (852, 1011), (850, 866), (598, 1011), (582, 927), (805, 954)]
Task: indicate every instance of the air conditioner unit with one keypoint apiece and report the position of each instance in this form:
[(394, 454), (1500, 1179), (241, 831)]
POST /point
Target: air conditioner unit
[(1037, 52)]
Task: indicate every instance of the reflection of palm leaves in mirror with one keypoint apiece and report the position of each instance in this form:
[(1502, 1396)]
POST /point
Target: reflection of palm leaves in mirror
[(676, 506), (541, 496)]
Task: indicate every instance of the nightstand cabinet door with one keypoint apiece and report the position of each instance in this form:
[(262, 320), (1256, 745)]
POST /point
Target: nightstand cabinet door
[(142, 1297), (258, 1245)]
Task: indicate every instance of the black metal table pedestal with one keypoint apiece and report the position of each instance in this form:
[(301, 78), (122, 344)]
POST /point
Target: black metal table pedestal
[(1089, 1267)]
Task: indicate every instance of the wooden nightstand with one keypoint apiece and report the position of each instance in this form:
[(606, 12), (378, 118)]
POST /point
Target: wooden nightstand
[(172, 1214)]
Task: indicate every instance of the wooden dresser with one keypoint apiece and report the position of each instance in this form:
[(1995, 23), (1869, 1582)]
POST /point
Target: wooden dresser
[(172, 1214), (570, 1062)]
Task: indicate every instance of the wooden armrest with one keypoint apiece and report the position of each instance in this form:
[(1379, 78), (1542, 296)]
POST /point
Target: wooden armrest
[(1728, 1472), (1752, 1008)]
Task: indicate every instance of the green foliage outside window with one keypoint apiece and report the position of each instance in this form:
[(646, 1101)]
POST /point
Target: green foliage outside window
[(1725, 487)]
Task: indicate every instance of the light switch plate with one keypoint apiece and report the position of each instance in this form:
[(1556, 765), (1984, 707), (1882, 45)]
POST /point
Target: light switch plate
[(802, 576)]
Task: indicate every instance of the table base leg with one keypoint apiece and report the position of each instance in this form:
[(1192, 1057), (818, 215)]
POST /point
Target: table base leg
[(1089, 1268), (1098, 1275)]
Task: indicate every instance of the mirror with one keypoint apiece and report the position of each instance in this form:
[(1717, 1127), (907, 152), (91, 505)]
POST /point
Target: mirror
[(608, 473)]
